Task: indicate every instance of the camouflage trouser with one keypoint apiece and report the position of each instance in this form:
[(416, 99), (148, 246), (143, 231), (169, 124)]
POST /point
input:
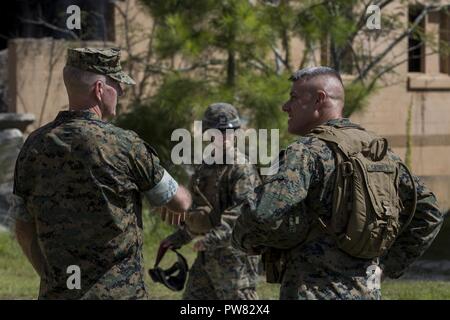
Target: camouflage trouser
[(219, 276)]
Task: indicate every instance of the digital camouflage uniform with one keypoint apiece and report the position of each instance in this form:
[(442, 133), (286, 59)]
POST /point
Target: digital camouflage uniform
[(221, 272), (80, 180), (314, 267)]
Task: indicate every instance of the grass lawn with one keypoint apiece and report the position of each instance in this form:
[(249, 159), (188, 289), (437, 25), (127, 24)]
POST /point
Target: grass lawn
[(18, 280)]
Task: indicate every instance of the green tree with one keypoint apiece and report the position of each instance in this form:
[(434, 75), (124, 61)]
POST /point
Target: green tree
[(230, 35)]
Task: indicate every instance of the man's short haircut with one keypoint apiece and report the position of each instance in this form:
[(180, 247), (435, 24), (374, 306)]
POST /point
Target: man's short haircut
[(312, 72), (75, 78)]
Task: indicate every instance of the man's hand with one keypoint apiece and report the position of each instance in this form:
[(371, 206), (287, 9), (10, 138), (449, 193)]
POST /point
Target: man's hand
[(181, 202), (172, 218), (27, 238), (198, 220)]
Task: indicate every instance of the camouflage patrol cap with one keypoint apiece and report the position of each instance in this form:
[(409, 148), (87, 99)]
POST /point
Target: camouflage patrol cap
[(221, 116), (101, 61)]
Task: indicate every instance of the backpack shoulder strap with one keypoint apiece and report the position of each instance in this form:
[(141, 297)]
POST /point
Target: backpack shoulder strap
[(348, 140)]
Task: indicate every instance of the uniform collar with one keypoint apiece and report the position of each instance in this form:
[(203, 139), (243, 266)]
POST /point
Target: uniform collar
[(78, 114), (339, 122)]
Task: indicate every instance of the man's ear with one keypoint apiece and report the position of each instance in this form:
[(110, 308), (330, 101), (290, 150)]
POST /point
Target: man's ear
[(98, 89), (320, 96)]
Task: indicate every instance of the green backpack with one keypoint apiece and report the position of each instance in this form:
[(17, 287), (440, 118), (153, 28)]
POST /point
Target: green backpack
[(366, 203)]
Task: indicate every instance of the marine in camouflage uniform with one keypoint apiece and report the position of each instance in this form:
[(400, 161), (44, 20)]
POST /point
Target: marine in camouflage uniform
[(220, 271), (284, 214), (79, 180)]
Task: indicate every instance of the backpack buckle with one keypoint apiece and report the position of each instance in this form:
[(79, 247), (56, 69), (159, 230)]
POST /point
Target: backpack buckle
[(347, 168), (387, 209)]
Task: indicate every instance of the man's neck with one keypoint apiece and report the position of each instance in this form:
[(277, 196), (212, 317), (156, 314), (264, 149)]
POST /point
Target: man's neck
[(95, 109), (330, 117), (322, 121)]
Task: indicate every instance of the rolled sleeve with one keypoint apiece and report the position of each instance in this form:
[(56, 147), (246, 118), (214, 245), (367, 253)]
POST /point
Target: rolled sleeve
[(163, 192), (150, 177)]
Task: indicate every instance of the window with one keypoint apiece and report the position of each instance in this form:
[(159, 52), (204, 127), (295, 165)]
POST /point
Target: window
[(416, 47), (444, 41)]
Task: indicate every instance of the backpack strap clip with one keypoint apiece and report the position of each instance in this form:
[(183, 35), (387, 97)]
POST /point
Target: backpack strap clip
[(347, 169)]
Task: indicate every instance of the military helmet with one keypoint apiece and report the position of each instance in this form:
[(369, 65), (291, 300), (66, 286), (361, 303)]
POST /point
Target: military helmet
[(221, 116), (174, 277)]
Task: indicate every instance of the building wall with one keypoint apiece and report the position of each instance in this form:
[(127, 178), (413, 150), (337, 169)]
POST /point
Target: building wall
[(428, 96), (35, 82)]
